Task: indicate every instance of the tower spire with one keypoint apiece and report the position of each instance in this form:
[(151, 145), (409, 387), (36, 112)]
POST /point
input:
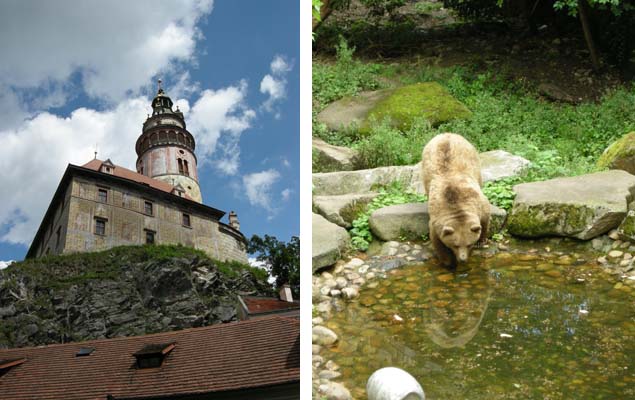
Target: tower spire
[(159, 82)]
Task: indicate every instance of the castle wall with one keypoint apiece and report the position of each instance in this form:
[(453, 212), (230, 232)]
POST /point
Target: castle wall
[(126, 223), (51, 244), (162, 163)]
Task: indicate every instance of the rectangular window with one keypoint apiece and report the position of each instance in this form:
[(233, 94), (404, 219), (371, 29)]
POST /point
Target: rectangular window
[(102, 195), (186, 220), (148, 207), (100, 226), (149, 237), (180, 166)]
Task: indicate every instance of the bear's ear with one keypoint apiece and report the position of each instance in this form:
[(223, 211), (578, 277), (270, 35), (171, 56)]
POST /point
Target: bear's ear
[(475, 228), (447, 230)]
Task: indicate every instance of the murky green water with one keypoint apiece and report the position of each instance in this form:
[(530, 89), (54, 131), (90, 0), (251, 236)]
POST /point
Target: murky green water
[(509, 327)]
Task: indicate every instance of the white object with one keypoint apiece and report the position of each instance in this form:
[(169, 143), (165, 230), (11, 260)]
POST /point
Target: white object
[(393, 384)]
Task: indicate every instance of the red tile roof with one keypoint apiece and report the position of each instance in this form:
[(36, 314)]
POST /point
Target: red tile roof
[(122, 172), (257, 305), (239, 355)]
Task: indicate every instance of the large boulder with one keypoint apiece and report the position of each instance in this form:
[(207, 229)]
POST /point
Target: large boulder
[(620, 154), (496, 164), (327, 158), (328, 240), (343, 209), (411, 221), (401, 105), (399, 222), (499, 164), (581, 207)]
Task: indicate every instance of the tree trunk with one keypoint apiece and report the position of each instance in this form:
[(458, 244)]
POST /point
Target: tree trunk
[(582, 10), (325, 11)]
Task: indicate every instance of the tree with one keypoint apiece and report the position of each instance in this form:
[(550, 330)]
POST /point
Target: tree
[(282, 259)]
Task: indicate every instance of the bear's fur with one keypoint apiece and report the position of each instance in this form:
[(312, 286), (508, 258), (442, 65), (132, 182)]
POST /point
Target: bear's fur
[(459, 212)]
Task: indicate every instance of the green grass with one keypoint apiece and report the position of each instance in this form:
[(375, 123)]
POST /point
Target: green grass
[(67, 270), (567, 139)]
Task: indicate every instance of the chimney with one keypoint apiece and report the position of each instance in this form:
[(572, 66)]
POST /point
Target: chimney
[(285, 293), (233, 220)]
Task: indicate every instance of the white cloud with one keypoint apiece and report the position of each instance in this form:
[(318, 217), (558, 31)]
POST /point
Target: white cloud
[(4, 264), (280, 65), (274, 84), (262, 265), (286, 193), (114, 51), (38, 151), (286, 162), (258, 188), (218, 119)]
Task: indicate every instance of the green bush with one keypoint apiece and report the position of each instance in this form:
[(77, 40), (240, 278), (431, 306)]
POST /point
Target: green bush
[(346, 77)]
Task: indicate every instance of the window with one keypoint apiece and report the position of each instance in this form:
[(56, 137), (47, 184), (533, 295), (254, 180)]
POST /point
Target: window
[(186, 220), (148, 207), (185, 168), (141, 170), (149, 237), (100, 226), (180, 165), (102, 195), (57, 239)]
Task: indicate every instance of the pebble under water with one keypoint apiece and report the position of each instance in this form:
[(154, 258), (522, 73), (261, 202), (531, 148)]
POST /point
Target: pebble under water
[(515, 326)]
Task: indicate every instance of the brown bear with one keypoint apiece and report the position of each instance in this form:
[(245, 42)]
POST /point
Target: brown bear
[(459, 212)]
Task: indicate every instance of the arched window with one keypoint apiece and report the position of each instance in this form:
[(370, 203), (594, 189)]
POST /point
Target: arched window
[(180, 165), (185, 168)]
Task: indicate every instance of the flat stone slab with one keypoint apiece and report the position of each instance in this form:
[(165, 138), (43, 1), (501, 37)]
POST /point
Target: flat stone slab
[(496, 164), (342, 209), (410, 221), (327, 158), (328, 242), (580, 207), (402, 106)]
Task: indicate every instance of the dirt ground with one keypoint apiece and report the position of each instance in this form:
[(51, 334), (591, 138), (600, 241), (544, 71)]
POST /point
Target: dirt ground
[(547, 57)]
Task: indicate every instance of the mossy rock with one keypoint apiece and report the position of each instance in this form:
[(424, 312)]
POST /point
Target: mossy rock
[(580, 207), (402, 106), (620, 154), (626, 230), (407, 103)]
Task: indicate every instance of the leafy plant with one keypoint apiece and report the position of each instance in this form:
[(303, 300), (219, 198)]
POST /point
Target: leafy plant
[(361, 235), (500, 193)]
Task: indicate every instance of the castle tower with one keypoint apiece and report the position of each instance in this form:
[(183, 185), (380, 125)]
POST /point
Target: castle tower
[(165, 149)]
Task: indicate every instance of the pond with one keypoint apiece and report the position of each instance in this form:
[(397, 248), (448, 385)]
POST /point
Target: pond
[(514, 326)]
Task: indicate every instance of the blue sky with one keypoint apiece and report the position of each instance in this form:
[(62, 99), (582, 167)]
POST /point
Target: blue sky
[(83, 75)]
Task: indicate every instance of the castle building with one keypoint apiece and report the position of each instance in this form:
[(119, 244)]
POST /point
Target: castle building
[(100, 205)]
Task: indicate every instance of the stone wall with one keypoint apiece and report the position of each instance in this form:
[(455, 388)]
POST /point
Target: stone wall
[(127, 223)]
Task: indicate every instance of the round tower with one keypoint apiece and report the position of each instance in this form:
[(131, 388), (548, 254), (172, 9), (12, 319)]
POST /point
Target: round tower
[(165, 149)]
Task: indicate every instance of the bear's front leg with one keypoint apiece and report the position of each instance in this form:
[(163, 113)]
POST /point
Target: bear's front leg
[(484, 230), (445, 255)]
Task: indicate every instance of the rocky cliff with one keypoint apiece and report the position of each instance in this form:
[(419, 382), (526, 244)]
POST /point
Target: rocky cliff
[(119, 292)]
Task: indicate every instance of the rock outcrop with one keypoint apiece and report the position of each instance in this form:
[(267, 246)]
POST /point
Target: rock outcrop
[(620, 154), (402, 106), (342, 210), (123, 291), (328, 242), (495, 165), (328, 158), (580, 207), (410, 221)]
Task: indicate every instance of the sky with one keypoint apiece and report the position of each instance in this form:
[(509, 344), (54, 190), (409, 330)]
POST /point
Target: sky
[(80, 78)]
